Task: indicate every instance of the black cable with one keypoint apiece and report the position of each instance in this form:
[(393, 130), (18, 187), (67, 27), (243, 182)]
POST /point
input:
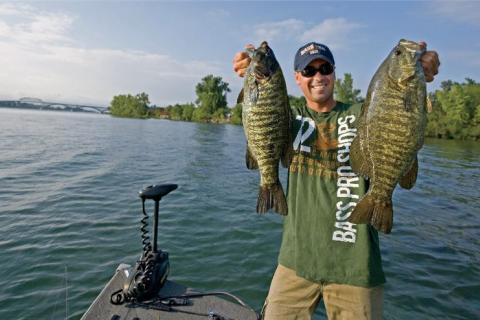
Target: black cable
[(147, 245), (163, 307), (213, 293)]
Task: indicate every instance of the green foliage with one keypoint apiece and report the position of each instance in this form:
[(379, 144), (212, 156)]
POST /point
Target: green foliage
[(200, 115), (143, 98), (175, 112), (211, 96), (296, 102), (187, 112), (236, 114), (180, 112), (130, 106), (456, 111), (344, 91), (220, 115)]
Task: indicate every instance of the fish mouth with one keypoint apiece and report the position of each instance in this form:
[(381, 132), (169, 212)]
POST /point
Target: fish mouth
[(411, 46)]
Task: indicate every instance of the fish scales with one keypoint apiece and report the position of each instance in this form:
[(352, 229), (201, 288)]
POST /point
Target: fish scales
[(266, 122), (390, 133)]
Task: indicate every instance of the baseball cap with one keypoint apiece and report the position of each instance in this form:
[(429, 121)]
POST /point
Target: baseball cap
[(310, 52)]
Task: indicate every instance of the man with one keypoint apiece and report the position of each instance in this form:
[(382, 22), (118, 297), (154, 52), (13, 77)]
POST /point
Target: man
[(322, 255)]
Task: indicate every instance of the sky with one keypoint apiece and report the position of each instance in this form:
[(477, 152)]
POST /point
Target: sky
[(89, 51)]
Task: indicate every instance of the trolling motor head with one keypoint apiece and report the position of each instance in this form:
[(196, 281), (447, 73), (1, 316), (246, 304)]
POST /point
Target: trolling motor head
[(156, 192), (152, 269)]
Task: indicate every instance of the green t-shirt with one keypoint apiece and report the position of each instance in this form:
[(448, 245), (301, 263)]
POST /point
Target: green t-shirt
[(318, 241)]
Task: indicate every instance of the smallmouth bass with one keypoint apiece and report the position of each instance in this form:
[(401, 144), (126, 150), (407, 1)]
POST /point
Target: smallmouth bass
[(266, 123), (390, 133)]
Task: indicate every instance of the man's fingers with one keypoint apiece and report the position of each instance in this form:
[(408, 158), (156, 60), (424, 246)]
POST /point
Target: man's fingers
[(430, 63), (239, 57), (423, 45), (241, 61), (241, 65)]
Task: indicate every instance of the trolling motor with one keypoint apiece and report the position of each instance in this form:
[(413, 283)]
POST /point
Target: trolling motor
[(143, 284), (152, 269)]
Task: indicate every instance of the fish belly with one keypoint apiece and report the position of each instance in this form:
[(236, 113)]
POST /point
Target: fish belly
[(392, 137), (266, 138)]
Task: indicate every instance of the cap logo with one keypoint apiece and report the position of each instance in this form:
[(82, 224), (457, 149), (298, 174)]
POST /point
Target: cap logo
[(310, 49)]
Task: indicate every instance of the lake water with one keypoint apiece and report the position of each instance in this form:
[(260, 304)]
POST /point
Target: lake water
[(70, 213)]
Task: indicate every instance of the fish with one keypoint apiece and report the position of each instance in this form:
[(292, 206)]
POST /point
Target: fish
[(390, 133), (266, 119)]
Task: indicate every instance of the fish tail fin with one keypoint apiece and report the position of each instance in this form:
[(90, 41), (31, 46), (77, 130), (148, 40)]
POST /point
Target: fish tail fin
[(382, 218), (272, 196), (377, 213), (363, 210)]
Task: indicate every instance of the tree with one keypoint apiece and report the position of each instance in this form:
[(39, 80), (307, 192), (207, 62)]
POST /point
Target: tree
[(176, 112), (219, 115), (130, 106), (456, 111), (476, 116), (345, 92), (447, 85), (187, 112), (236, 112), (200, 115), (435, 126), (470, 81), (211, 95), (296, 102), (455, 104), (143, 98)]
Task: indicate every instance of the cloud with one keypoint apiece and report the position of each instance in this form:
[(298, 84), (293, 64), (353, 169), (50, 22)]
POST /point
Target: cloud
[(96, 75), (39, 58), (333, 32), (33, 26), (278, 30), (460, 11), (10, 9)]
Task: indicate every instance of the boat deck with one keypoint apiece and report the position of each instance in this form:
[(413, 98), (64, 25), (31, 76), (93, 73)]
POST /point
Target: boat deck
[(101, 308)]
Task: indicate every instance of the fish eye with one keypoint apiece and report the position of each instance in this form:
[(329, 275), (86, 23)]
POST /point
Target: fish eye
[(398, 52)]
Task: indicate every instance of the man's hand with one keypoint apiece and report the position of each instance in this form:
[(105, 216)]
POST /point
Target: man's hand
[(430, 63), (241, 61)]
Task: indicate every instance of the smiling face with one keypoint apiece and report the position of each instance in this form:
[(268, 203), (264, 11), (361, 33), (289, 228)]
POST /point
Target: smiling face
[(318, 90)]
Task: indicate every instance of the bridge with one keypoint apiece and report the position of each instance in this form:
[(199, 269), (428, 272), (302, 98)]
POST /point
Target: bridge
[(34, 103)]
